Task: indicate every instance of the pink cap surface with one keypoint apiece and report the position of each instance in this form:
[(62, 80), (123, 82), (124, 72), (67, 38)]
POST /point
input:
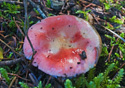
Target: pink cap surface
[(60, 42)]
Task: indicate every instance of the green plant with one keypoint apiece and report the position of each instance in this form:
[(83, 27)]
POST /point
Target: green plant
[(36, 11), (91, 74), (39, 85), (107, 6), (68, 84), (107, 3), (5, 75), (112, 42), (104, 50), (1, 15), (10, 8), (23, 85), (79, 81), (109, 26), (119, 76), (48, 86), (48, 3), (85, 13), (102, 80), (22, 22), (10, 55), (12, 24), (1, 53), (120, 47), (116, 20), (50, 14), (118, 4)]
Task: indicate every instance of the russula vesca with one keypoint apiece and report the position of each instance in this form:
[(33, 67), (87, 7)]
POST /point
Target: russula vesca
[(65, 45)]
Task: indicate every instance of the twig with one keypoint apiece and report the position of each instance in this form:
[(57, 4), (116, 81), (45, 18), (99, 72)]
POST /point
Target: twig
[(2, 31), (48, 80), (26, 23), (60, 83), (18, 76), (110, 53), (12, 2), (86, 2), (114, 34), (11, 62), (9, 47), (33, 78), (37, 8), (26, 26), (18, 27), (118, 70), (11, 83), (90, 4)]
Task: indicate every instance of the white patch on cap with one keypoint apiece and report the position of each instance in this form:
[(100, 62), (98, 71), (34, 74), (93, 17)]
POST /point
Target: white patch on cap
[(55, 46), (58, 18), (70, 61)]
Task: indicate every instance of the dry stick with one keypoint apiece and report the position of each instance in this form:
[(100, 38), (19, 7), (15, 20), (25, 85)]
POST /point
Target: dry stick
[(11, 62), (110, 53), (48, 80), (26, 25), (60, 83), (110, 30), (26, 20), (9, 47), (114, 34), (12, 2), (118, 70), (37, 8), (1, 31), (18, 76), (18, 26), (33, 79), (11, 83)]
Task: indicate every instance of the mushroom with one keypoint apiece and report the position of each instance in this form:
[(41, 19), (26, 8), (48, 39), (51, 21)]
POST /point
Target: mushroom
[(65, 45)]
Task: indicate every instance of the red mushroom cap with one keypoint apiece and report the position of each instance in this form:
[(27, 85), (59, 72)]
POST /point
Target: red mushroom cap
[(65, 45)]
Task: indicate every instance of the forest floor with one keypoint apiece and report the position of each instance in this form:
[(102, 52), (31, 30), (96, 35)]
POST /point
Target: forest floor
[(108, 18)]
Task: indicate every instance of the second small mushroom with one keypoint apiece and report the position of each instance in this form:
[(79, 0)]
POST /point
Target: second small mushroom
[(65, 45)]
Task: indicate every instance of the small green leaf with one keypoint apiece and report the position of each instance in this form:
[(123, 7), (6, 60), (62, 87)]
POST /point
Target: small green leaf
[(119, 76), (1, 53), (116, 20), (85, 13), (48, 4), (107, 6), (48, 86), (68, 84), (4, 74), (10, 55), (23, 85), (39, 85)]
